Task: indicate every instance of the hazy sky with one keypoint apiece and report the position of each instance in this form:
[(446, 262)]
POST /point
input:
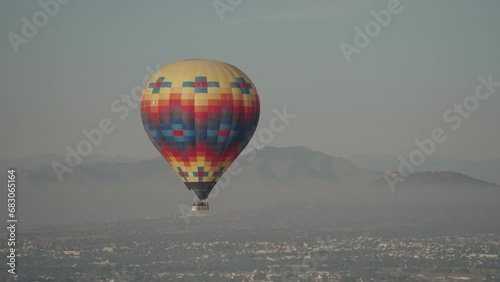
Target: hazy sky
[(429, 57)]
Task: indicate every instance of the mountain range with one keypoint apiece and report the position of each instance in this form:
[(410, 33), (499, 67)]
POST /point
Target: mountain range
[(263, 179)]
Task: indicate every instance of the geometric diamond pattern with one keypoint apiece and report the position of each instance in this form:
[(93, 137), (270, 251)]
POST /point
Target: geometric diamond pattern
[(200, 114)]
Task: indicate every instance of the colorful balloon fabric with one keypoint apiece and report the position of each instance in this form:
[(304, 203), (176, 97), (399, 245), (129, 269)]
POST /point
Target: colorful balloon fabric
[(200, 114)]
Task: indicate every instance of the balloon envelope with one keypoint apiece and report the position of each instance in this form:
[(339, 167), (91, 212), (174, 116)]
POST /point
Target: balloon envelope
[(200, 114)]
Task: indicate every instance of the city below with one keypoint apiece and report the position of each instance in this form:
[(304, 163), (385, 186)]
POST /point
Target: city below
[(253, 247)]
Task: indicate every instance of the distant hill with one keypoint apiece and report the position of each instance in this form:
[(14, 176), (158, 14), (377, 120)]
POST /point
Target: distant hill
[(40, 160), (290, 164), (487, 170), (438, 187), (436, 178)]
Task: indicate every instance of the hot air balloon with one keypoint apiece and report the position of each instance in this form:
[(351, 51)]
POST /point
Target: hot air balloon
[(200, 114)]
